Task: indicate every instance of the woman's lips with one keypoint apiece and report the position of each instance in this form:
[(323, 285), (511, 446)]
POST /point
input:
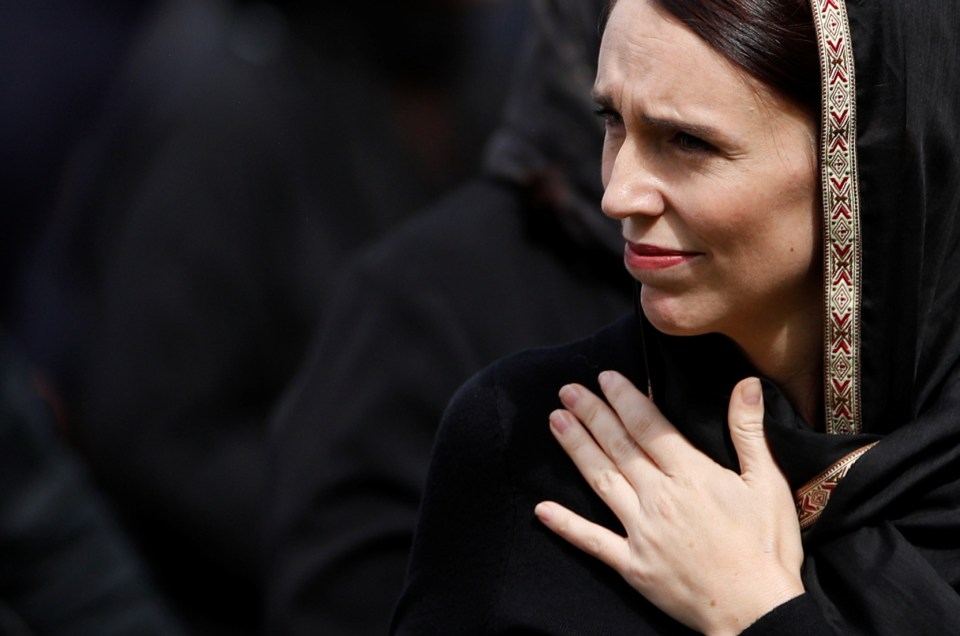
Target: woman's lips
[(640, 256)]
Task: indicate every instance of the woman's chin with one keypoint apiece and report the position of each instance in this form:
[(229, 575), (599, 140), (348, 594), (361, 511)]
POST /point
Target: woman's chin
[(668, 317), (672, 328)]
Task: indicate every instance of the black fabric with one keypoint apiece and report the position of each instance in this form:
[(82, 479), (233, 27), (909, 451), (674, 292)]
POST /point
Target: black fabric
[(801, 614), (907, 62), (884, 557), (482, 563)]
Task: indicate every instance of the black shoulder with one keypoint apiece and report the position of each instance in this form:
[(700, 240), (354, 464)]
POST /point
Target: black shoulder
[(525, 385), (493, 460), (617, 346)]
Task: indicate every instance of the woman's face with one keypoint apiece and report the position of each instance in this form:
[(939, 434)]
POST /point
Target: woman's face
[(714, 180)]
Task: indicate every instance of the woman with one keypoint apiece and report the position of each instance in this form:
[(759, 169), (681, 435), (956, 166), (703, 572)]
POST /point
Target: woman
[(802, 236)]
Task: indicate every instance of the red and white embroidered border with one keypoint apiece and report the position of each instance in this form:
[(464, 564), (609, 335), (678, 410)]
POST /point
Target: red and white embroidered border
[(814, 496), (841, 199)]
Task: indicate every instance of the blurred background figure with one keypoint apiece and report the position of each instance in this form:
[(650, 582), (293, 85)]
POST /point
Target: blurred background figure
[(232, 155), (519, 256), (58, 59), (65, 566)]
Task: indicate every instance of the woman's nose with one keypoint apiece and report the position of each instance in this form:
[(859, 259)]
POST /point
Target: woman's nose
[(631, 187)]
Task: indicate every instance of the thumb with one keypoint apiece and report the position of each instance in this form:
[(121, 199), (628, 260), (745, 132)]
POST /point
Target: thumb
[(745, 417)]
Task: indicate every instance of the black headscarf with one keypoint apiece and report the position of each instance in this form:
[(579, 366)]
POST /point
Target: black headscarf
[(878, 492), (891, 534)]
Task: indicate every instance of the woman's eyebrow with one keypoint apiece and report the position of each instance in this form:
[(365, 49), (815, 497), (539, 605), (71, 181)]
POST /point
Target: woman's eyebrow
[(697, 130), (605, 103), (602, 101)]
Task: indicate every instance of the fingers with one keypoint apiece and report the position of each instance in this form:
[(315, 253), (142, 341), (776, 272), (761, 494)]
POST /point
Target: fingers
[(605, 426), (603, 475), (745, 417), (593, 539), (646, 426)]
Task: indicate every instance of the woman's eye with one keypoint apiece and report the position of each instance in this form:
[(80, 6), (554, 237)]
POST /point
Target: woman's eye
[(610, 117), (690, 143)]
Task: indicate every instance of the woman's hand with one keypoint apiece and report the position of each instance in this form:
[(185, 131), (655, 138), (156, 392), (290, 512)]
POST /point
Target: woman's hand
[(711, 548)]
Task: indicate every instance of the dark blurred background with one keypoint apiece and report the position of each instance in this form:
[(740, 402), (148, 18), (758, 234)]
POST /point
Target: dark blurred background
[(180, 181)]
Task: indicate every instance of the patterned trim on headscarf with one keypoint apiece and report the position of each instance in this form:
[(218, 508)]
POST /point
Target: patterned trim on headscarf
[(841, 200), (815, 494)]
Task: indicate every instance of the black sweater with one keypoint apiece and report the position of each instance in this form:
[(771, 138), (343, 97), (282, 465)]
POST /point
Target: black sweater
[(482, 563)]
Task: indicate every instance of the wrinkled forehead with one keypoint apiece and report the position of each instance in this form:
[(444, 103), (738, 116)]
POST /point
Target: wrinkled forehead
[(637, 38), (649, 56)]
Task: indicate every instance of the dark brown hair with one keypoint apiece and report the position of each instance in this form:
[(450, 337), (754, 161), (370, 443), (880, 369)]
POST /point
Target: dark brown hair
[(772, 40)]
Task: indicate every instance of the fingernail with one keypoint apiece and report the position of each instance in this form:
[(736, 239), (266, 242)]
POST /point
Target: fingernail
[(605, 378), (559, 422), (569, 395), (752, 393)]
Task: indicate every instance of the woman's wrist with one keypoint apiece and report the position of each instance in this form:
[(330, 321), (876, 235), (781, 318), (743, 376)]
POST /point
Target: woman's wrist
[(766, 599)]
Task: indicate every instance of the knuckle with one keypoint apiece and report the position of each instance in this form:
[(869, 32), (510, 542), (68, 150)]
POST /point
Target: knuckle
[(639, 425), (638, 574), (622, 449), (664, 505), (685, 483), (605, 482), (594, 545), (749, 427), (592, 410)]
